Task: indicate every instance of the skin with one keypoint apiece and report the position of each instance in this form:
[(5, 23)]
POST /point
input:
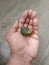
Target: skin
[(23, 49)]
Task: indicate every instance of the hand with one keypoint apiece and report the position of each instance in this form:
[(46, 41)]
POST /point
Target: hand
[(20, 45)]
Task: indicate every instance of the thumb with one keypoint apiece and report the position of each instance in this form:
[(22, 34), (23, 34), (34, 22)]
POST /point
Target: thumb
[(15, 25), (13, 28)]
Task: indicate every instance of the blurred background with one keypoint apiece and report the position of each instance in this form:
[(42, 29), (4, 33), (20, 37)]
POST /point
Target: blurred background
[(10, 10)]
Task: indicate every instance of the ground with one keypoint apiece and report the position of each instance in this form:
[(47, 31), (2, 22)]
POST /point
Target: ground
[(10, 10)]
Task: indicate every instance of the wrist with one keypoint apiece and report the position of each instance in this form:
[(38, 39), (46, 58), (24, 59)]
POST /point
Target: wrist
[(18, 60)]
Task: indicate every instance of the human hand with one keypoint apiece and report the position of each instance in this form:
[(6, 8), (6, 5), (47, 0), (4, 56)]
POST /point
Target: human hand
[(20, 45)]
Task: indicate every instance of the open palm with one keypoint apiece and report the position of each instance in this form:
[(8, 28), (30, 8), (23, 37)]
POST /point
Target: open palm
[(20, 44)]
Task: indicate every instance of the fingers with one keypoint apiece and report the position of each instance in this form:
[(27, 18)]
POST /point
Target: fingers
[(25, 25), (13, 28), (15, 25), (18, 24), (28, 19), (33, 21), (32, 15), (34, 36), (25, 14), (23, 18), (35, 25), (36, 28)]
